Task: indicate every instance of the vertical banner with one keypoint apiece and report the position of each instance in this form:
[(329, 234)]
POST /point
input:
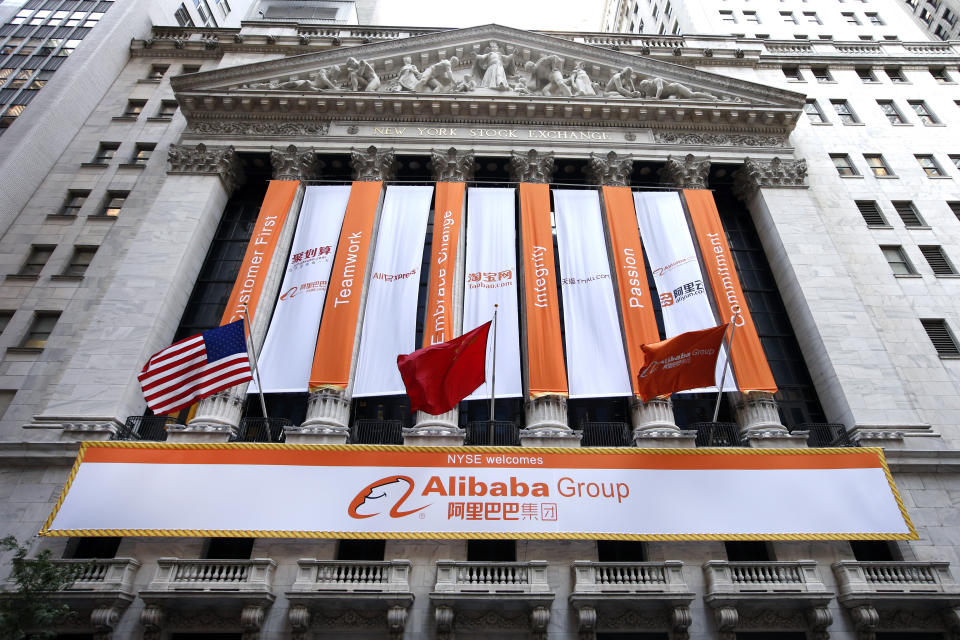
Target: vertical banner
[(390, 314), (334, 351), (597, 366), (636, 306), (749, 361), (438, 325), (260, 250), (284, 364), (676, 270), (491, 279), (546, 371)]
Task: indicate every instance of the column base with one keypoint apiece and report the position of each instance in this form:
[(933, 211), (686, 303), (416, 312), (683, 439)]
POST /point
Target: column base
[(316, 434), (434, 436), (85, 431), (203, 433), (775, 439), (550, 437), (664, 438)]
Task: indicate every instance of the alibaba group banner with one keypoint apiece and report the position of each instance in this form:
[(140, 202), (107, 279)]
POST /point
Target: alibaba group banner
[(749, 361), (484, 492)]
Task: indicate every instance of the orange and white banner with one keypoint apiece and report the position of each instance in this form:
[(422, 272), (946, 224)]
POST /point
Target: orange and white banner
[(636, 306), (491, 492), (546, 373), (338, 329), (260, 249), (749, 361), (447, 219)]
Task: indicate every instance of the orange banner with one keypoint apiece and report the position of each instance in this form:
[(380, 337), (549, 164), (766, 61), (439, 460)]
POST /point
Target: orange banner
[(447, 217), (747, 356), (260, 249), (636, 307), (546, 373), (338, 328)]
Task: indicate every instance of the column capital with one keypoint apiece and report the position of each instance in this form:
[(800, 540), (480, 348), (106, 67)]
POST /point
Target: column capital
[(373, 164), (531, 166), (292, 164), (452, 165), (203, 160), (769, 173), (688, 173), (610, 169)]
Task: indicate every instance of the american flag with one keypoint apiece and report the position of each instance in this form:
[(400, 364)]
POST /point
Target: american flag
[(195, 367)]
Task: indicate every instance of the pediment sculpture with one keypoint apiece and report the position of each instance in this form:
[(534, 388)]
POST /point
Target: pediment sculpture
[(494, 71)]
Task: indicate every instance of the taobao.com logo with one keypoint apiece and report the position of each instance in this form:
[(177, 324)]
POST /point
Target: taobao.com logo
[(384, 495)]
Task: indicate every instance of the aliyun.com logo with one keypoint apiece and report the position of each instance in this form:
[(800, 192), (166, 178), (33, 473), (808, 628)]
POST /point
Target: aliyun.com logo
[(385, 495)]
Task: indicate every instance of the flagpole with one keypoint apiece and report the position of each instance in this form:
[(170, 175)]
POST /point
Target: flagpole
[(723, 376), (256, 370), (493, 372)]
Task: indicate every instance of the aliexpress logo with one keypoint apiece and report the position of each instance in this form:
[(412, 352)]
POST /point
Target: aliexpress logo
[(385, 495)]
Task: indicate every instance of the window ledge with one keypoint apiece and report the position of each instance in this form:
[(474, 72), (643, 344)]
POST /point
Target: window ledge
[(132, 165), (949, 356), (849, 177), (918, 227), (821, 124), (902, 124), (95, 165), (60, 216), (124, 118), (160, 119), (907, 275), (935, 124), (149, 81), (947, 275), (22, 278), (879, 226), (854, 124), (939, 177), (887, 177), (101, 217), (24, 349), (66, 278), (826, 82), (794, 80), (870, 81)]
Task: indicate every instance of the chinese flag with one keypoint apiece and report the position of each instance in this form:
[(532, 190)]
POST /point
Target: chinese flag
[(686, 361), (441, 375)]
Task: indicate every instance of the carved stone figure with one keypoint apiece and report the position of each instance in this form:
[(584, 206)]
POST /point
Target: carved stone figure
[(438, 77), (676, 90), (546, 77), (322, 80), (360, 76), (621, 83), (270, 84), (409, 75), (493, 67), (580, 83), (465, 85)]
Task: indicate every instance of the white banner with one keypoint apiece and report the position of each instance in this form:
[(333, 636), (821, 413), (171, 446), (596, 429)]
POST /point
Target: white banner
[(397, 491), (284, 362), (596, 362), (390, 314), (676, 271), (491, 278)]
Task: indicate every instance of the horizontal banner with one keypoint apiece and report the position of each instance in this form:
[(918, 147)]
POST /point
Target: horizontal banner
[(480, 492)]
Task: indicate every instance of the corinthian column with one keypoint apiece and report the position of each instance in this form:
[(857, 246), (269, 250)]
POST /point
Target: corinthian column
[(688, 173)]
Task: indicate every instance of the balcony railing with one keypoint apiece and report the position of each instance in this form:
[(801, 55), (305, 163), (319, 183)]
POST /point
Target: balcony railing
[(505, 434), (628, 577), (717, 434), (824, 434), (102, 575), (605, 434), (352, 576), (856, 579), (367, 431), (151, 428), (492, 577), (262, 429), (799, 576), (174, 574)]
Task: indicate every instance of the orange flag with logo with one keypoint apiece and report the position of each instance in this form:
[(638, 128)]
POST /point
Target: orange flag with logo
[(686, 361)]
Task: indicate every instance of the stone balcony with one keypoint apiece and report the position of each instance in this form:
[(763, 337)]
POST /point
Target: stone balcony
[(492, 595), (235, 592), (652, 594), (742, 595), (916, 596), (101, 591), (344, 591)]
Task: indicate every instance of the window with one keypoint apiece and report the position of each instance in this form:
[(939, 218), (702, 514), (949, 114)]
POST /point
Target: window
[(788, 17), (190, 68), (74, 201), (157, 71), (908, 213), (930, 166), (89, 548), (228, 548), (748, 551), (843, 164), (36, 259), (751, 16), (142, 153), (890, 110), (167, 109), (940, 75), (5, 317), (877, 165), (940, 336), (40, 329), (955, 159), (183, 17), (6, 399), (926, 116), (871, 213), (727, 16), (370, 550), (114, 203), (937, 260), (492, 550), (850, 17), (875, 550), (955, 208), (134, 108), (897, 260), (812, 17), (792, 73), (866, 74), (874, 18), (105, 152), (224, 7), (822, 74), (895, 74), (866, 37), (621, 551), (812, 109), (79, 261), (842, 107), (206, 16)]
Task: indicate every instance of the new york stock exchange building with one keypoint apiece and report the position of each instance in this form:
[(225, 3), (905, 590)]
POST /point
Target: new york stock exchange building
[(359, 193)]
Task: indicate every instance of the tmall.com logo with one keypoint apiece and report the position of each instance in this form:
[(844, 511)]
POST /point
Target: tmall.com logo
[(386, 495)]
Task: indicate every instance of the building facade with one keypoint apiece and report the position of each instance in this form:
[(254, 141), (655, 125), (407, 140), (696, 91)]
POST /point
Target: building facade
[(832, 169)]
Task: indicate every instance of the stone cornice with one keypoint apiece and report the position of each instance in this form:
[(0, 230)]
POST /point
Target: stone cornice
[(206, 160)]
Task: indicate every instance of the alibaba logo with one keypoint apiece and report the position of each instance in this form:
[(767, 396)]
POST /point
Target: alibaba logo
[(386, 494), (290, 293)]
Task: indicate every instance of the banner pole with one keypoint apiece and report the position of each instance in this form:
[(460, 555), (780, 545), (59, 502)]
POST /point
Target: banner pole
[(726, 364), (256, 371), (493, 373)]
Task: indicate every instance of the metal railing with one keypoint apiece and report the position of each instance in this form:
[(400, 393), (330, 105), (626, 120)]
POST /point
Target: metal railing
[(262, 429), (366, 431), (151, 428), (505, 434), (717, 434), (605, 434), (823, 434)]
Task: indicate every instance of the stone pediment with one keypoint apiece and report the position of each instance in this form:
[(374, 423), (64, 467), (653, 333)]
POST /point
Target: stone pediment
[(490, 73)]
